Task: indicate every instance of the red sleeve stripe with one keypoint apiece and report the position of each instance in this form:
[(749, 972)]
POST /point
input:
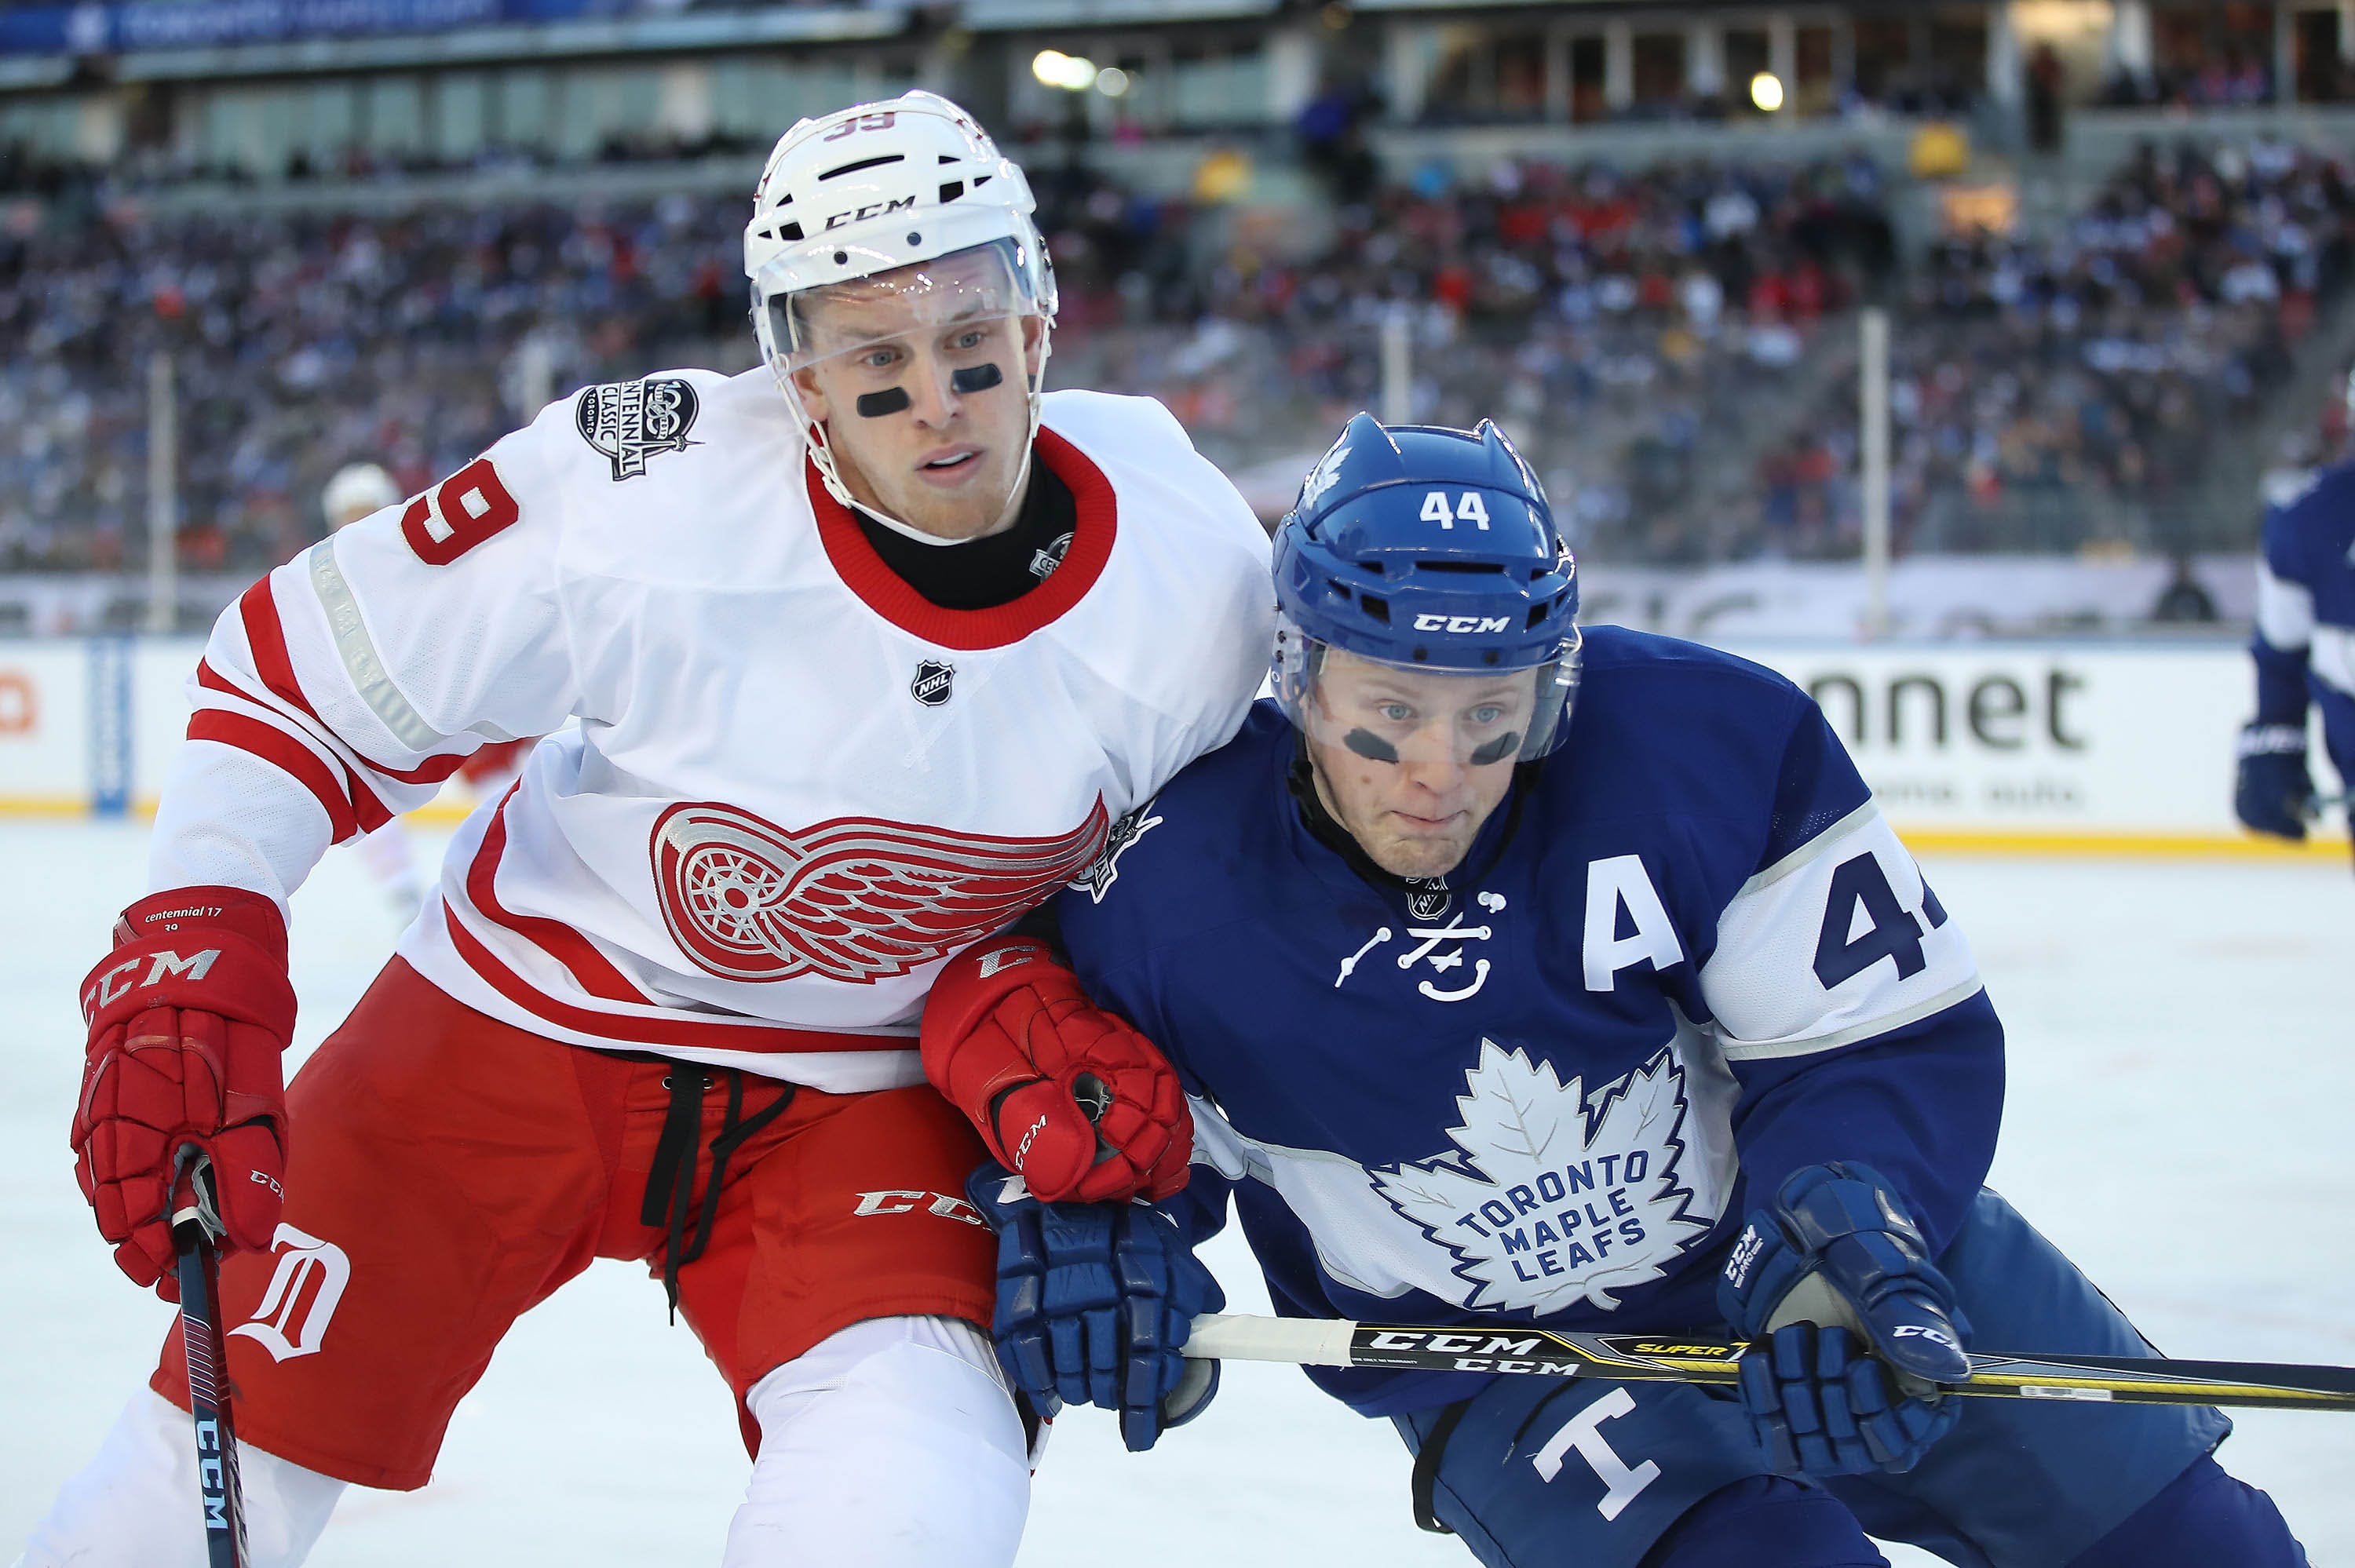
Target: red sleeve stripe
[(267, 638), (213, 680), (283, 752), (368, 808), (266, 635), (640, 1031), (591, 970)]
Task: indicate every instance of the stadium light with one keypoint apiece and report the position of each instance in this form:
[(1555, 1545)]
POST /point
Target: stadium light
[(1112, 82), (1766, 90), (1073, 73)]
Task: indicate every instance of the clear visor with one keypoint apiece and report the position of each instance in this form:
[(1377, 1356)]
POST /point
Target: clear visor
[(1413, 714), (963, 310)]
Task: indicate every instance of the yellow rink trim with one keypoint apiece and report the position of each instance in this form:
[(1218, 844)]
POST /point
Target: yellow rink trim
[(45, 806), (2063, 842), (2078, 841)]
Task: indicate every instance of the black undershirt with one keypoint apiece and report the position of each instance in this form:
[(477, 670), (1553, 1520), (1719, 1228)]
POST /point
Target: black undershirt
[(982, 574)]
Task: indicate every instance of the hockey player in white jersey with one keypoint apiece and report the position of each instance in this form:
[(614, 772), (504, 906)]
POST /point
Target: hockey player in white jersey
[(861, 672)]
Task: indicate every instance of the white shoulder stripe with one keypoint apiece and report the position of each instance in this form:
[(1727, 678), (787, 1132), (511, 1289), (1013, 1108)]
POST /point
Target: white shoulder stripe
[(2284, 611), (1836, 942), (2334, 657), (357, 651), (1773, 1050)]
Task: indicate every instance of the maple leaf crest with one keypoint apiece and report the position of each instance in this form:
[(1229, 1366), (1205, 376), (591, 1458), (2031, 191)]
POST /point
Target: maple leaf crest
[(1554, 1199), (1324, 476)]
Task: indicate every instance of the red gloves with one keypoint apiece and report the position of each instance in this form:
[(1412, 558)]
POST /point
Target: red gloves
[(1081, 1105), (188, 1019)]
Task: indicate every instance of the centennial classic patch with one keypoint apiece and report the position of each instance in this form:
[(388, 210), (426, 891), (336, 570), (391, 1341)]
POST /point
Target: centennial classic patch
[(629, 421)]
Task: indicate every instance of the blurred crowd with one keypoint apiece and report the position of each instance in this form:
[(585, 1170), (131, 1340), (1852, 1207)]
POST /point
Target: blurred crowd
[(301, 344), (25, 171), (2227, 78), (1614, 322), (2043, 386), (1675, 348), (1624, 328)]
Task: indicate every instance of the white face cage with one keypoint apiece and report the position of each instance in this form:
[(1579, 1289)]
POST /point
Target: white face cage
[(873, 190)]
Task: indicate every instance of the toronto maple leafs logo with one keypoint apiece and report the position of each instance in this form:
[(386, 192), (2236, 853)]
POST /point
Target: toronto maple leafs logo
[(1557, 1196), (1324, 476)]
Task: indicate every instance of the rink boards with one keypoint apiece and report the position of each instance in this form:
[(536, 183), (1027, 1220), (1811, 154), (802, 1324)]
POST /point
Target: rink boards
[(2066, 747)]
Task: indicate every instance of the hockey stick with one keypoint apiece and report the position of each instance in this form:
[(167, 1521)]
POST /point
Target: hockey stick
[(196, 1227), (2126, 1380)]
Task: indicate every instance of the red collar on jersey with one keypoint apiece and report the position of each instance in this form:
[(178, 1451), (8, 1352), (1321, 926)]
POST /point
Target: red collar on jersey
[(863, 571)]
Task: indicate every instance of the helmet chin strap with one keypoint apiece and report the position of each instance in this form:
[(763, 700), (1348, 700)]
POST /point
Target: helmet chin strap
[(1004, 517)]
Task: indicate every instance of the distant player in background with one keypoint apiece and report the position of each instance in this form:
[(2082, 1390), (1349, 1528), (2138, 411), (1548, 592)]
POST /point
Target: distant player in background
[(868, 646), (2304, 652), (1480, 1032)]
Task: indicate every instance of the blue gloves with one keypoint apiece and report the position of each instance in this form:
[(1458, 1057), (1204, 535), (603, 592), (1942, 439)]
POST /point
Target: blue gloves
[(1095, 1302), (2270, 792), (1833, 1287)]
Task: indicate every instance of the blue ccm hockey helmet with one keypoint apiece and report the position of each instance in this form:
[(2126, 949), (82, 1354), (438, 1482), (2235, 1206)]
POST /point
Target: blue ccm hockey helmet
[(1432, 551)]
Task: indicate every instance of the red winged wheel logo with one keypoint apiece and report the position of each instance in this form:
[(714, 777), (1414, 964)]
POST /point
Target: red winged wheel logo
[(854, 899)]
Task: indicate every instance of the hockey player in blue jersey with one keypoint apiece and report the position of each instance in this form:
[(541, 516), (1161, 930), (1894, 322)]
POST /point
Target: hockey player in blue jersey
[(1476, 1034), (2305, 648)]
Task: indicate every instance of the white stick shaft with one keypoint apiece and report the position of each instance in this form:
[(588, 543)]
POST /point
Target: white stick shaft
[(1302, 1341)]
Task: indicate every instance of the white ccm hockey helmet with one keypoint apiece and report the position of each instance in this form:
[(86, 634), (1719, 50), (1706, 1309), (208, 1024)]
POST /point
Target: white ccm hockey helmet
[(356, 489), (875, 188)]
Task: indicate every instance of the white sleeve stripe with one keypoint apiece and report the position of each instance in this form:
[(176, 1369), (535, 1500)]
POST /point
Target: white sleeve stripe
[(357, 649), (278, 718), (1822, 844), (2284, 611), (266, 703), (2334, 657), (1772, 1050)]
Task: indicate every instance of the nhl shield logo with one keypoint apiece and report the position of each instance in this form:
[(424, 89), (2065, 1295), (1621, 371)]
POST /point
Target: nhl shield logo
[(932, 683), (1427, 898), (630, 421)]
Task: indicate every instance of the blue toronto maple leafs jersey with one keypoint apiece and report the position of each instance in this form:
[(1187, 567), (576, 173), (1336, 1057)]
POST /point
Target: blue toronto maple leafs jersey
[(2306, 612), (1697, 959)]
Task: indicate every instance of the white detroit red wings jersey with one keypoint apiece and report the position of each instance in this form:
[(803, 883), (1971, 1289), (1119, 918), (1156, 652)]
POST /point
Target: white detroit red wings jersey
[(794, 787)]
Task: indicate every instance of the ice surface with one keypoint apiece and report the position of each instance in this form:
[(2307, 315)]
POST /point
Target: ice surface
[(2181, 1080)]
